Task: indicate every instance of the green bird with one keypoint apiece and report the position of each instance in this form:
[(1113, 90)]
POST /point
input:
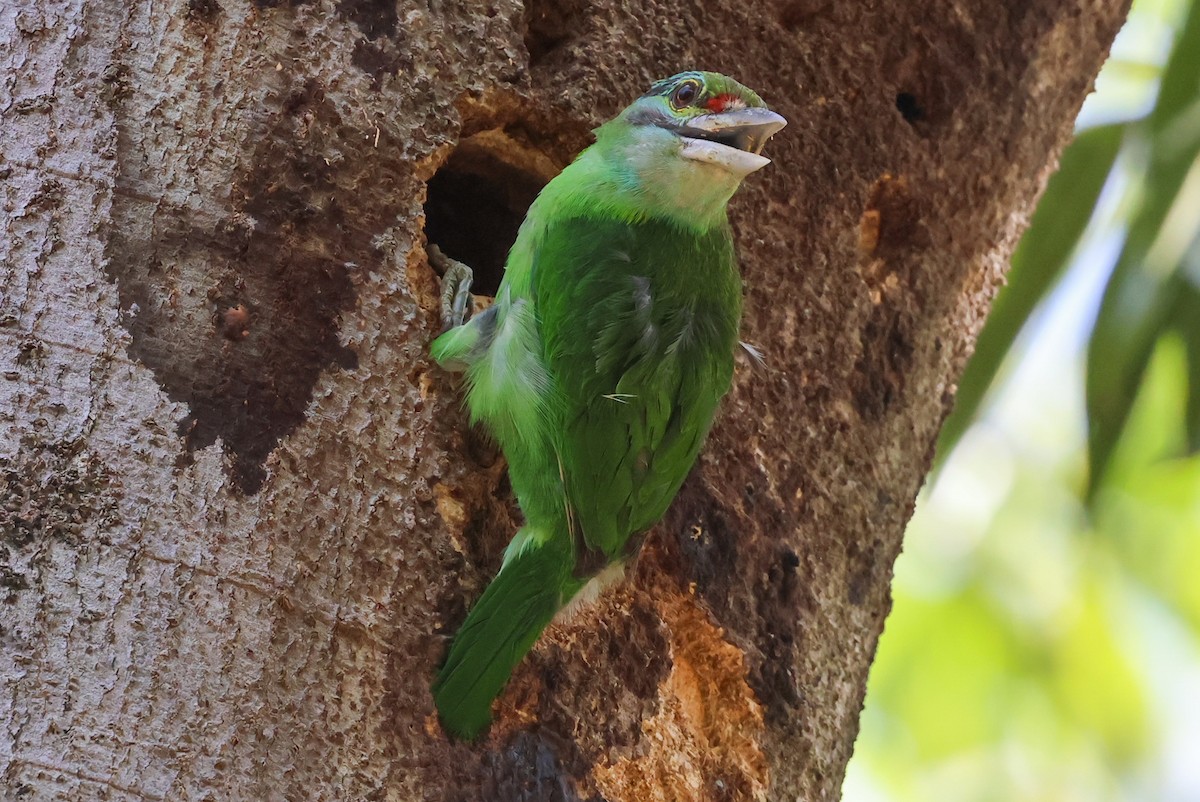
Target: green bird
[(600, 365)]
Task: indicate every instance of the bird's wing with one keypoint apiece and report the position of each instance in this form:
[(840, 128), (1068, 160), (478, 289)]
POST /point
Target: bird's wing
[(638, 362)]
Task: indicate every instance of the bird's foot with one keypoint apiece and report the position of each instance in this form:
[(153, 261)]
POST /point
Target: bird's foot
[(456, 286)]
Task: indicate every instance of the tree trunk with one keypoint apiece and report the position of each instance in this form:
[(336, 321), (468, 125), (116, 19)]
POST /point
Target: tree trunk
[(242, 511)]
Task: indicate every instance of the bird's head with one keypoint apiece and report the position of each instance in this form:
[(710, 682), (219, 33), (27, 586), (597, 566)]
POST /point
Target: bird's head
[(688, 142)]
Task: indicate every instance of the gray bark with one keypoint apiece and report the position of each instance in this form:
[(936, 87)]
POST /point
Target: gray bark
[(241, 511)]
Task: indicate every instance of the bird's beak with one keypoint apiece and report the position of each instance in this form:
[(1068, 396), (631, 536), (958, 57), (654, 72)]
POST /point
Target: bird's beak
[(731, 139)]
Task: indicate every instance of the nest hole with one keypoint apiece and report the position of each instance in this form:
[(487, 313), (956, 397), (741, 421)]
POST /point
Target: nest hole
[(476, 202), (910, 107)]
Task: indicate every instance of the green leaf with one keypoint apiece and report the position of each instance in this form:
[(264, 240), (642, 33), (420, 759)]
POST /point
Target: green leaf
[(1145, 281), (1097, 681), (1039, 261), (1131, 318), (1132, 70), (1181, 78)]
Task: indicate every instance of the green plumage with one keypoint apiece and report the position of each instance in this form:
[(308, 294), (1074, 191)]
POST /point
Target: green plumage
[(601, 364), (502, 627)]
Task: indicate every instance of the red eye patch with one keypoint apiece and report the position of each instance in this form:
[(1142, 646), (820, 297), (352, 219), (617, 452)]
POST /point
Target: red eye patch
[(720, 103)]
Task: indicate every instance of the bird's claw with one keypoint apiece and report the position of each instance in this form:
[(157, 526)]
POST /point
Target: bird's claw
[(456, 287)]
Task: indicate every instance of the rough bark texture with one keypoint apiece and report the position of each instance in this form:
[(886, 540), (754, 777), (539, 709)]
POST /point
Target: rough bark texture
[(241, 511)]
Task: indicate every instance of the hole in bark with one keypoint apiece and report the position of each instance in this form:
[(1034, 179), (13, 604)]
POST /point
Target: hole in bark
[(477, 200), (909, 107), (790, 560)]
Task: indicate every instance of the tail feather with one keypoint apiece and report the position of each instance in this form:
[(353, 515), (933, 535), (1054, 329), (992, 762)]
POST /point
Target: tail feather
[(500, 629)]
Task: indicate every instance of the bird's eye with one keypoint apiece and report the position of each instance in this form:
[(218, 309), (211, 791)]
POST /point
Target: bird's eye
[(685, 94)]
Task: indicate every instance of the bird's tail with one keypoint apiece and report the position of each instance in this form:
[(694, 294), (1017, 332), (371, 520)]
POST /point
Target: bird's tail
[(501, 628)]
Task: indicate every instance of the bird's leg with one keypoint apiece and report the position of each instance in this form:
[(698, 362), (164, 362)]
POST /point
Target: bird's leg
[(456, 286)]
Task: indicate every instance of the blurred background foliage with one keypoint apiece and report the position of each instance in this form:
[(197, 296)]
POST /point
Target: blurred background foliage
[(1045, 638)]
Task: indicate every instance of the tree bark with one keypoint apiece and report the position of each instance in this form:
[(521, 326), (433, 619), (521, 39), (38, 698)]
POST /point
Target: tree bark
[(241, 510)]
